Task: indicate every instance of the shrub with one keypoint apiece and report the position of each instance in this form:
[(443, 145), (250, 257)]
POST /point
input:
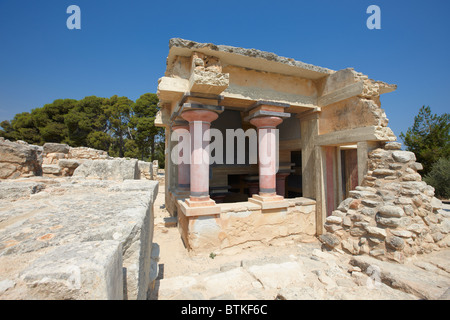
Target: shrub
[(439, 178)]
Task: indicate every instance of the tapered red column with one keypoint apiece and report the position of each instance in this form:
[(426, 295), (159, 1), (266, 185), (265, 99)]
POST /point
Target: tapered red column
[(199, 123), (183, 167), (268, 153)]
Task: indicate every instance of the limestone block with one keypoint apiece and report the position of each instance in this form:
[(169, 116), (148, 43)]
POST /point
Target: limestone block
[(377, 232), (7, 169), (56, 148), (388, 222), (391, 211), (334, 220), (416, 166), (15, 152), (51, 169), (114, 169), (383, 172), (436, 204), (403, 156), (395, 242), (393, 146), (17, 159), (330, 240), (85, 211), (68, 163), (145, 170), (412, 177), (208, 81), (83, 271)]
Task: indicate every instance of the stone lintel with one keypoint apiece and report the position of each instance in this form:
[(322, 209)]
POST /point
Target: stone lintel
[(350, 136), (349, 91)]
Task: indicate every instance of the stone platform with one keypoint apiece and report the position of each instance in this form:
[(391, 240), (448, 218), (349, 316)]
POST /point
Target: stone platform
[(70, 238)]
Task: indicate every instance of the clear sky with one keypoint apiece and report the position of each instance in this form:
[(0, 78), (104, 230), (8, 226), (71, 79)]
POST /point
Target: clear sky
[(122, 46)]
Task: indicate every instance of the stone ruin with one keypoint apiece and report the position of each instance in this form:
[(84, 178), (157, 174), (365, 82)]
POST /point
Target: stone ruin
[(342, 176), (75, 224), (22, 160), (392, 215)]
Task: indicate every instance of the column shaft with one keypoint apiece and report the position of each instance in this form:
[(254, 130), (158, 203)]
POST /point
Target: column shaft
[(199, 123), (267, 153)]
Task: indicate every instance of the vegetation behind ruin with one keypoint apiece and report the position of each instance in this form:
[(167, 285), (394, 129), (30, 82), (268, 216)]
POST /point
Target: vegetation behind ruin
[(118, 125)]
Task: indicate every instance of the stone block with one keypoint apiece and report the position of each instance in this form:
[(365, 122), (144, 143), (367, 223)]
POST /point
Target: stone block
[(403, 156), (393, 146), (68, 163), (391, 211), (208, 82), (83, 271), (56, 148), (114, 169), (376, 232), (51, 169), (329, 240), (334, 220)]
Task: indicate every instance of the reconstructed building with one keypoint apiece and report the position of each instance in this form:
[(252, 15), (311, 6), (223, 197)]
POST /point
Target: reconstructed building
[(328, 123)]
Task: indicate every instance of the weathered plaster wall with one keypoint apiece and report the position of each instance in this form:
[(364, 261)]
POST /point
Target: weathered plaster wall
[(244, 224)]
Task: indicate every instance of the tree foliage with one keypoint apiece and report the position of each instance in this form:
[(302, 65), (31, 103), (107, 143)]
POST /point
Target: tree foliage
[(117, 125), (428, 138), (439, 178)]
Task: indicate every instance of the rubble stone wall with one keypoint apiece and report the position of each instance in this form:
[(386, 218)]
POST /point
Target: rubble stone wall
[(392, 215), (22, 160)]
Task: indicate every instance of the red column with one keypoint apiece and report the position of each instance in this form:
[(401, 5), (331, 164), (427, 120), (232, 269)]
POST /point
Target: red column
[(267, 157), (199, 122)]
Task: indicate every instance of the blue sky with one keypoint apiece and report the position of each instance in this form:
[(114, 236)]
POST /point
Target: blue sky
[(122, 46)]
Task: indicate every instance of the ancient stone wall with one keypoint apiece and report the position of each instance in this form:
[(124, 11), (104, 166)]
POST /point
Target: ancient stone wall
[(393, 214), (20, 160)]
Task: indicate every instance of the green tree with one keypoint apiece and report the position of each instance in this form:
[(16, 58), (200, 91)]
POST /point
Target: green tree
[(428, 138), (145, 133), (118, 111), (87, 116), (49, 120), (117, 125), (439, 178), (7, 131), (25, 128)]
